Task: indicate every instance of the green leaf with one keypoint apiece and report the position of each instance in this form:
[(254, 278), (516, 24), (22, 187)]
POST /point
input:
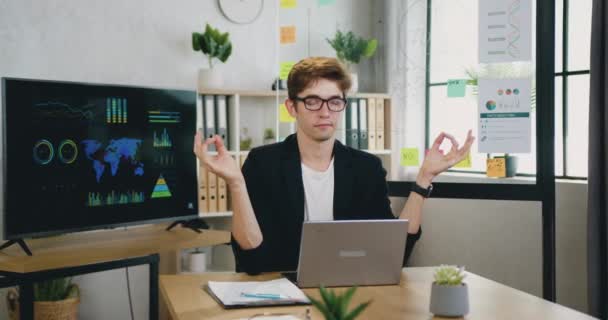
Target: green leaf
[(336, 305), (321, 308), (196, 43), (348, 295), (226, 52), (223, 38), (355, 313), (370, 48), (325, 296)]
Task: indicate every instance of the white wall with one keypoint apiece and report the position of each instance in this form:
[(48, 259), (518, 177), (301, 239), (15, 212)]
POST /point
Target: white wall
[(502, 240)]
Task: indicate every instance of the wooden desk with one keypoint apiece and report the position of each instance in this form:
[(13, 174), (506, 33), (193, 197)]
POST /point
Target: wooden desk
[(82, 253), (83, 248), (409, 300)]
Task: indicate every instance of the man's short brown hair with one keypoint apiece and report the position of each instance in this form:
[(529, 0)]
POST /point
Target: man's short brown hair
[(311, 69)]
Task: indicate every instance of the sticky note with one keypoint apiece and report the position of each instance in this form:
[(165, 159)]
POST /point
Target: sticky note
[(288, 34), (284, 69), (457, 88), (496, 168), (326, 2), (409, 157), (284, 115), (289, 4), (465, 163)]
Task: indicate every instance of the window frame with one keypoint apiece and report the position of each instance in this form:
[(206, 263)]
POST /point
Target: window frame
[(564, 74)]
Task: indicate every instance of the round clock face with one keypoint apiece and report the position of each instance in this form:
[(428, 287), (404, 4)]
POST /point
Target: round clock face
[(241, 11)]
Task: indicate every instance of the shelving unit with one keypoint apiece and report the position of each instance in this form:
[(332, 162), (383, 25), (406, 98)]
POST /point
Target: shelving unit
[(258, 110)]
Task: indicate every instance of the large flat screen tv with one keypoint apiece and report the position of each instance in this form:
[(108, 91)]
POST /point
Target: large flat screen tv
[(86, 156)]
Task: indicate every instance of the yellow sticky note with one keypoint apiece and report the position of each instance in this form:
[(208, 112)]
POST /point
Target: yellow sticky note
[(288, 34), (409, 157), (284, 115), (284, 69), (496, 168), (465, 163), (289, 4)]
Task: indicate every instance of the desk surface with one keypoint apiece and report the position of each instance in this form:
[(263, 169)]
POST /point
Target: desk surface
[(409, 300), (79, 249)]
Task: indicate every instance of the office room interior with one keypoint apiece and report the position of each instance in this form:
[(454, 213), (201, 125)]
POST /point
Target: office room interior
[(516, 210)]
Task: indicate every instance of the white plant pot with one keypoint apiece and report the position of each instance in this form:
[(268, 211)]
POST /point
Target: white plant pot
[(210, 79), (197, 262), (449, 301)]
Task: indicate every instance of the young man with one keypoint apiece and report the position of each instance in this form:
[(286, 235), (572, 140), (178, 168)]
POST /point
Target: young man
[(311, 175)]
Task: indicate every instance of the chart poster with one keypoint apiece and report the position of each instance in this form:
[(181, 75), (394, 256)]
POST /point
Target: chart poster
[(504, 116), (505, 30)]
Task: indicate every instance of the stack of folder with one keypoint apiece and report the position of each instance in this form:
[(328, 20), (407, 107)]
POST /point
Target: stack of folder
[(216, 118), (212, 192), (365, 127)]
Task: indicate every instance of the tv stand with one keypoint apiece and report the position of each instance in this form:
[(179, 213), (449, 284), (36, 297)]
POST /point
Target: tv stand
[(20, 242), (196, 225)]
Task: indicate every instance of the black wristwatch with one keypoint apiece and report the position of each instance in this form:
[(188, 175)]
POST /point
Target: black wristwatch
[(422, 191)]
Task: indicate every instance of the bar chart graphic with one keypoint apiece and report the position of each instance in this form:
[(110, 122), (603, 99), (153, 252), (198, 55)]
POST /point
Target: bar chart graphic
[(158, 116), (96, 199), (162, 140), (116, 110), (164, 160)]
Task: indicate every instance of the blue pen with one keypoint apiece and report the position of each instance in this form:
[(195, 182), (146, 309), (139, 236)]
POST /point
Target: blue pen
[(261, 295)]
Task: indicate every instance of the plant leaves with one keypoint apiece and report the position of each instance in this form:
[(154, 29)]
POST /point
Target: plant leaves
[(322, 308), (370, 49), (196, 43), (325, 296), (355, 313)]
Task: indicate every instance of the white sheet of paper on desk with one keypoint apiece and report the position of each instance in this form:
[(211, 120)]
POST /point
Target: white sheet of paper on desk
[(231, 292)]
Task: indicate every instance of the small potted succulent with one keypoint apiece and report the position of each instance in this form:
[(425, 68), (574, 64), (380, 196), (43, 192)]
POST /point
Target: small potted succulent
[(350, 48), (335, 307), (449, 295), (215, 45)]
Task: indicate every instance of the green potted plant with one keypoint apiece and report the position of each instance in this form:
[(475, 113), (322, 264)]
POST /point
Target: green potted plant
[(55, 299), (350, 48), (335, 307), (269, 136), (449, 295), (215, 45)]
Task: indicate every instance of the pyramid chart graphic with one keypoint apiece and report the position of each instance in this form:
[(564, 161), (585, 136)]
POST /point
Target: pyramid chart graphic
[(161, 190)]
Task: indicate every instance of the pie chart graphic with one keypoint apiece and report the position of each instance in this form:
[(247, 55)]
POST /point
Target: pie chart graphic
[(43, 152), (491, 105)]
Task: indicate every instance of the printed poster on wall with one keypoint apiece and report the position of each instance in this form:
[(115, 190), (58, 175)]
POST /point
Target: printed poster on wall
[(505, 30), (504, 116)]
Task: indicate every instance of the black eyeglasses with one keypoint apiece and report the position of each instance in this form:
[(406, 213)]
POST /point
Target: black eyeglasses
[(314, 103)]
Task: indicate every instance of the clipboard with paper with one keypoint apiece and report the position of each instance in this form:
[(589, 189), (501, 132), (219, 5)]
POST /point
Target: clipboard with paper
[(279, 292)]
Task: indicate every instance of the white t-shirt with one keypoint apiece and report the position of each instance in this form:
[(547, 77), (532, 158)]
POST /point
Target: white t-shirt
[(318, 193)]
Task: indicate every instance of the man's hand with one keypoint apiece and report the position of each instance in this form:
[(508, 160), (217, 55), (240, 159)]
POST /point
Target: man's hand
[(436, 162), (221, 164)]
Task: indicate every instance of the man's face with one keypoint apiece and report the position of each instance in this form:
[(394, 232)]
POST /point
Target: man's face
[(319, 125)]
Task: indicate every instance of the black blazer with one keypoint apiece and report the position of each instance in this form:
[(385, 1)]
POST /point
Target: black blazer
[(273, 175)]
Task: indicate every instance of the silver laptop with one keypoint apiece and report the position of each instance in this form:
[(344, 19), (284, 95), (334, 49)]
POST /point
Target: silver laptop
[(351, 252)]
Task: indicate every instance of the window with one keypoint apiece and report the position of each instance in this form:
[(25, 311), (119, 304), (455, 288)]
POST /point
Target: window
[(452, 54)]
